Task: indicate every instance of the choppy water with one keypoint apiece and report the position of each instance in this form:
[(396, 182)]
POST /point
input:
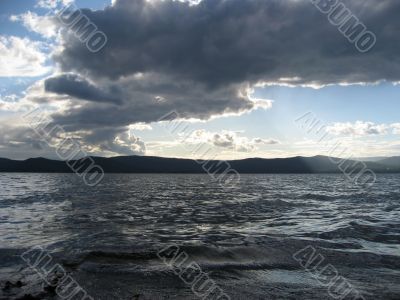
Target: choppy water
[(245, 238)]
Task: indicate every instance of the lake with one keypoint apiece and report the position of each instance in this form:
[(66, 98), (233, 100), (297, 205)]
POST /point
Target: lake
[(269, 237)]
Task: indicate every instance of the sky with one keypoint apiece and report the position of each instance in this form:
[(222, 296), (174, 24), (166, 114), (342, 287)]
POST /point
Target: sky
[(242, 78)]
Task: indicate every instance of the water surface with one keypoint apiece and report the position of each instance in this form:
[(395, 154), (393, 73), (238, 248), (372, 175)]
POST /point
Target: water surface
[(108, 236)]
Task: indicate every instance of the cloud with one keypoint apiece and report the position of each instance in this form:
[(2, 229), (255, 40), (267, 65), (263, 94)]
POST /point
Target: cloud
[(19, 140), (346, 147), (260, 141), (358, 128), (78, 87), (12, 103), (396, 128), (221, 43), (43, 25), (21, 57), (202, 61), (112, 141), (18, 137), (361, 128), (140, 127), (228, 139), (52, 4), (136, 99)]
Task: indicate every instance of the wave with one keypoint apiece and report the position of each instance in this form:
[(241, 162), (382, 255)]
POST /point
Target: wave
[(383, 233), (272, 255)]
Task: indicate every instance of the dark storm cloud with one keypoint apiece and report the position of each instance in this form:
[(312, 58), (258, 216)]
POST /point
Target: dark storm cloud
[(149, 98), (221, 42), (105, 125), (202, 60), (78, 87)]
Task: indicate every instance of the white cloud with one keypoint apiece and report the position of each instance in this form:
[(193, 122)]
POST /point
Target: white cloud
[(361, 128), (265, 142), (396, 128), (358, 128), (228, 139), (52, 4), (44, 25), (21, 57), (140, 127), (126, 143), (9, 103)]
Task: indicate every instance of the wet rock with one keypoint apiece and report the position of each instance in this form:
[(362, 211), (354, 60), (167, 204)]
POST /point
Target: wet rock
[(19, 284), (28, 297), (50, 289), (10, 285)]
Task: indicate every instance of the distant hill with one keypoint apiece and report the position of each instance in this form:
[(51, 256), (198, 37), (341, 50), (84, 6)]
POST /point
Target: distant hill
[(390, 161), (149, 164)]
